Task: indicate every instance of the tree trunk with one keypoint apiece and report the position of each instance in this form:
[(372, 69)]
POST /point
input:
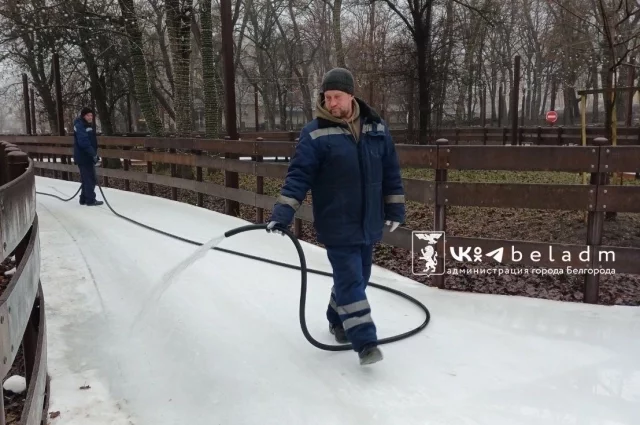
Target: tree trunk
[(337, 34), (141, 87), (179, 28), (212, 91), (595, 113), (422, 38), (492, 92), (100, 97), (303, 75), (447, 46)]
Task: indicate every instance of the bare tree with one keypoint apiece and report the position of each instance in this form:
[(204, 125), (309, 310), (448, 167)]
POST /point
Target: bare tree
[(142, 86), (211, 77)]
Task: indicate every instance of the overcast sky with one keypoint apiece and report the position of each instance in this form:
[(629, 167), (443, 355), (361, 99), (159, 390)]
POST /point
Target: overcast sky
[(10, 98)]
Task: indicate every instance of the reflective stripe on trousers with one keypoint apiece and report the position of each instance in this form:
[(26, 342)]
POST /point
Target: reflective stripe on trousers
[(348, 304)]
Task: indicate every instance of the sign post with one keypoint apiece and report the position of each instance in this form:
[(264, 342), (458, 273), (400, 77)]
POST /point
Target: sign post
[(552, 117)]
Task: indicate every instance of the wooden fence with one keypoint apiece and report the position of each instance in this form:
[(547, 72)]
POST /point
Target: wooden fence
[(547, 135), (595, 198), (22, 315), (487, 135)]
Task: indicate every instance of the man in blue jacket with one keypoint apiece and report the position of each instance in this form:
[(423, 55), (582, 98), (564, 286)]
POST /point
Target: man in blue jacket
[(85, 155), (346, 157)]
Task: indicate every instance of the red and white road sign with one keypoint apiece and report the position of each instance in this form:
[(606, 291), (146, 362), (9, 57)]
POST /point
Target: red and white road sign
[(552, 116)]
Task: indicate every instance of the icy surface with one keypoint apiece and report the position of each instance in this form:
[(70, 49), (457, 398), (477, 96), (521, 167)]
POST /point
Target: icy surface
[(223, 345)]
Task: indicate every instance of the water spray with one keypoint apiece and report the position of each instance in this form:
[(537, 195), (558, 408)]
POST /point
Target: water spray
[(172, 274)]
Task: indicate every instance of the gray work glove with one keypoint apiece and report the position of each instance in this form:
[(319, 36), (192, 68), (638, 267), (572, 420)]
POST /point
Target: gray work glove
[(275, 227), (394, 225)]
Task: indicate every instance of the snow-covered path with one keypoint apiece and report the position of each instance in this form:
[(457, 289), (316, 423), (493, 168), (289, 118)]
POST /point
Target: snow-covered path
[(224, 346)]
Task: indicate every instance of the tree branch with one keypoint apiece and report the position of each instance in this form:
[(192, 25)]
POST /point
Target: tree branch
[(478, 11), (401, 16)]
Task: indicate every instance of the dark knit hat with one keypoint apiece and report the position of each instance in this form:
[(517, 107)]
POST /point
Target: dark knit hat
[(338, 79), (86, 110)]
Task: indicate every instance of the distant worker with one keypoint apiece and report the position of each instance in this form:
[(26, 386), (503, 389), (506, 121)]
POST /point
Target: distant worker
[(85, 155), (346, 157)]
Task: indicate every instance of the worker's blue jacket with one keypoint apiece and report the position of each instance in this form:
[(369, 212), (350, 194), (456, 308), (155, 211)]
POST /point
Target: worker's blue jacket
[(355, 185), (85, 142)]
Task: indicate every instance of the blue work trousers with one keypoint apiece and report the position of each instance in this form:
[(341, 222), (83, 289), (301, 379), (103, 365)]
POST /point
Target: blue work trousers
[(348, 304), (89, 180)]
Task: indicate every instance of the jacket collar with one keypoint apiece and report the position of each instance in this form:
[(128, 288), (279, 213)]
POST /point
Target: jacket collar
[(367, 115), (81, 120)]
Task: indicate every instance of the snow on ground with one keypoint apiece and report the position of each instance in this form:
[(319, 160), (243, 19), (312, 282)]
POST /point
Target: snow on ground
[(16, 384), (224, 346)]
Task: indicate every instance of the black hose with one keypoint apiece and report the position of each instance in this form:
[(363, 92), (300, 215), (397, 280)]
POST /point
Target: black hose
[(303, 275)]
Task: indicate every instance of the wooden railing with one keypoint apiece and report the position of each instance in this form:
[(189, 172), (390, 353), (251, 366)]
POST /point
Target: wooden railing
[(595, 198), (22, 316), (524, 135), (547, 135)]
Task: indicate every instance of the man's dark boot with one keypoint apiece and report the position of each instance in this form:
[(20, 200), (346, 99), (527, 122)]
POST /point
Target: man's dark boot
[(339, 333), (95, 203), (370, 354)]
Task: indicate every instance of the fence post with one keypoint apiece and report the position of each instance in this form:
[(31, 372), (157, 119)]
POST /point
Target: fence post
[(17, 162), (125, 167), (56, 173), (3, 163), (595, 224), (560, 131), (259, 181), (231, 207), (174, 174), (521, 134), (64, 160), (149, 171), (5, 171), (440, 217), (297, 223), (200, 195)]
